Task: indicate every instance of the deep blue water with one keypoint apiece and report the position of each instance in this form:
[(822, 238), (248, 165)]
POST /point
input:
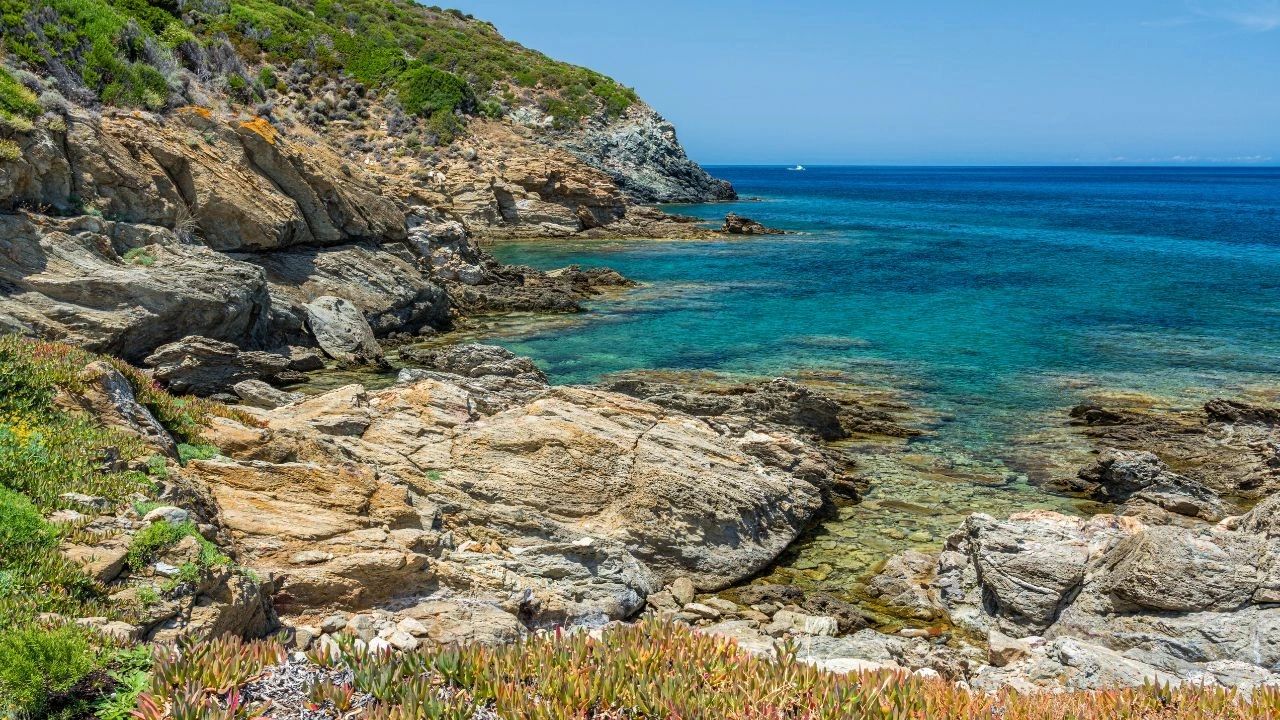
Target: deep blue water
[(991, 292)]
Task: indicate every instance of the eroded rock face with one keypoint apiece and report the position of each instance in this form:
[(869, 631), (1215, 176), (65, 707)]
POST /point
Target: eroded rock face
[(388, 288), (571, 505), (641, 153), (1139, 478), (67, 279), (1109, 600)]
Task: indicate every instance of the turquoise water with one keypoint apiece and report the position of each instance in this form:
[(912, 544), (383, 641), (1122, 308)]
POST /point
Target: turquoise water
[(995, 298), (989, 292)]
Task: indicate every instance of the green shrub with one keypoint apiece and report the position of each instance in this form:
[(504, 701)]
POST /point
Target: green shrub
[(157, 537), (426, 91), (188, 452), (39, 667), (130, 669), (139, 256), (9, 151), (153, 540), (16, 99)]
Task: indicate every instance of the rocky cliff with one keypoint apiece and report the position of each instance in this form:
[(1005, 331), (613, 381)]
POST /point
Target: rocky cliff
[(252, 158)]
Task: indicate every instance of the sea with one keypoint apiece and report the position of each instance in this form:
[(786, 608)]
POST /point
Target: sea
[(995, 298)]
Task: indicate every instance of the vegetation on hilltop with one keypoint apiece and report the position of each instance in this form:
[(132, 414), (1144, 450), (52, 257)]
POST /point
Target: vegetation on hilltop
[(149, 54)]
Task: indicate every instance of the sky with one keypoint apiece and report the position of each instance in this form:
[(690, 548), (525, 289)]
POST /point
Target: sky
[(942, 82)]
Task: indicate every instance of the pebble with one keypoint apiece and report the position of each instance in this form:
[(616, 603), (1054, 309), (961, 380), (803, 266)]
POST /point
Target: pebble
[(167, 570), (920, 536)]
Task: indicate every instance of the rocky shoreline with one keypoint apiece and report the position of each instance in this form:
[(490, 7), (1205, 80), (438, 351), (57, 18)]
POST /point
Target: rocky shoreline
[(472, 502)]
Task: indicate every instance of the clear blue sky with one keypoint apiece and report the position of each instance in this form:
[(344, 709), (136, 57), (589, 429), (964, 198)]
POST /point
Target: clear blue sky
[(934, 81)]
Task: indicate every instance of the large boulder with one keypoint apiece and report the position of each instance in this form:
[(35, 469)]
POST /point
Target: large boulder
[(383, 282), (203, 366), (342, 331)]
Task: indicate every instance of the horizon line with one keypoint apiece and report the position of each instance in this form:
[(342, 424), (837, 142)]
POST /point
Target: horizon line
[(1221, 166)]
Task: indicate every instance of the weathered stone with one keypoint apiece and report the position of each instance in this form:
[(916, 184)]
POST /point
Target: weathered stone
[(261, 395), (474, 361), (203, 366), (109, 398), (103, 562), (785, 621), (65, 278), (342, 331), (167, 513), (682, 590), (1003, 650)]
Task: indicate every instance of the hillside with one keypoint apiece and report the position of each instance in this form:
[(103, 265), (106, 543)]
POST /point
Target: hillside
[(213, 168), (319, 63)]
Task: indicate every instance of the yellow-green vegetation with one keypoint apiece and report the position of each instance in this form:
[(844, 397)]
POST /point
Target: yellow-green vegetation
[(39, 669), (17, 102), (139, 256), (48, 450), (157, 537), (127, 52), (9, 151), (643, 672)]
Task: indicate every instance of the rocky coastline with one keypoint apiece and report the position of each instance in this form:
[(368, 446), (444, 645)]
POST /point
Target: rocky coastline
[(471, 502), (176, 276)]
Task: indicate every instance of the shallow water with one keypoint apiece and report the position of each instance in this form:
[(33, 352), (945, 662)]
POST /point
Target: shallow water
[(996, 298)]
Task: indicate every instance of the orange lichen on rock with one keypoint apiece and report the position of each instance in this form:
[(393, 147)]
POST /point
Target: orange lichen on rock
[(262, 129)]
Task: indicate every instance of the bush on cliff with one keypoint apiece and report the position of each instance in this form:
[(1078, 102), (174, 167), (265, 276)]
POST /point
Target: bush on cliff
[(424, 90), (16, 100)]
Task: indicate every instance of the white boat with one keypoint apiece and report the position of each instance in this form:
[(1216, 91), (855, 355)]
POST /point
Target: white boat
[(798, 167)]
